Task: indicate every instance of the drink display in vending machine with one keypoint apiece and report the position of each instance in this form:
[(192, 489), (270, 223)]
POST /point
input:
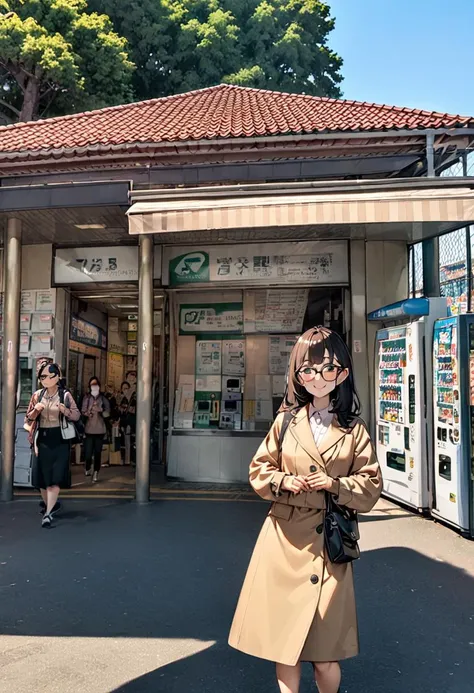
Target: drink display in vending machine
[(453, 420), (403, 407)]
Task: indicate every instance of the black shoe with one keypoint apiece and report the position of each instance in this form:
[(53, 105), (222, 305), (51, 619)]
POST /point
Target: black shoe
[(53, 512), (47, 521)]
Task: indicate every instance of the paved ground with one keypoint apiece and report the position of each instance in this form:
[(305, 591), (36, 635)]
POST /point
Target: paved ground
[(119, 481), (139, 600)]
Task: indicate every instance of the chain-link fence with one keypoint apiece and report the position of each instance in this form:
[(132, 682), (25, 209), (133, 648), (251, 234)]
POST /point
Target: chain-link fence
[(455, 253)]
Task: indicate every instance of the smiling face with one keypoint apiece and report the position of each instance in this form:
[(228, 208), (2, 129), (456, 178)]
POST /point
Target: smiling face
[(321, 379)]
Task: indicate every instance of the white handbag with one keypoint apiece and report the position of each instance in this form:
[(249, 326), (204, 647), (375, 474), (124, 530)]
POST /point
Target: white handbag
[(68, 430)]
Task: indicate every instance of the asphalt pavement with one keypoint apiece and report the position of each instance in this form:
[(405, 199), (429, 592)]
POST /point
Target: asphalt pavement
[(134, 599)]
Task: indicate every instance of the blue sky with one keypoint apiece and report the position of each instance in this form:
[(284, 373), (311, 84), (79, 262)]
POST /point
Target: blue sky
[(415, 53)]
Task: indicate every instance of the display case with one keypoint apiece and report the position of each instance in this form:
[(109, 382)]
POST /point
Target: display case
[(392, 365)]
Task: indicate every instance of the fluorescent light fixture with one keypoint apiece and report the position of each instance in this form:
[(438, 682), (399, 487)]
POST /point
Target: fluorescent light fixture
[(84, 227)]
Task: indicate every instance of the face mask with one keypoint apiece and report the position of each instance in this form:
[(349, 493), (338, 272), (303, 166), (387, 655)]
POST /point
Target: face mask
[(95, 390)]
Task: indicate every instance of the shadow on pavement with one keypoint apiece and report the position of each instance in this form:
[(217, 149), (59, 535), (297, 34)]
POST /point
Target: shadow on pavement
[(174, 571)]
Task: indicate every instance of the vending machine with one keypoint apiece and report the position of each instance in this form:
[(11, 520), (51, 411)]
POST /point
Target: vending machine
[(403, 398), (453, 420)]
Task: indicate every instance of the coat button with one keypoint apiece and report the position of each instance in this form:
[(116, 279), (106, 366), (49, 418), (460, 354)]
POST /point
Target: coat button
[(319, 529), (314, 579), (313, 469)]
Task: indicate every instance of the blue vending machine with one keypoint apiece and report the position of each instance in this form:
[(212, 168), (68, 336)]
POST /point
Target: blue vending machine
[(453, 421)]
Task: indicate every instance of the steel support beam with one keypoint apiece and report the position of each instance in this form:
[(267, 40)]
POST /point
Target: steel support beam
[(11, 343), (145, 369)]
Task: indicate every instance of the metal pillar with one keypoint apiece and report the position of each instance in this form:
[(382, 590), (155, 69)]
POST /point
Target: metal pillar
[(431, 286), (430, 246), (468, 246), (145, 369), (11, 343), (430, 165)]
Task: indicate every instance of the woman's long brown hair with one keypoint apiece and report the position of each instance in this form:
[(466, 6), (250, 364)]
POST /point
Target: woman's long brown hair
[(311, 347)]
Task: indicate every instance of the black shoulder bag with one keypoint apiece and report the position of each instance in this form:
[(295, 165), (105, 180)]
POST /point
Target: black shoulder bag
[(341, 532), (341, 528)]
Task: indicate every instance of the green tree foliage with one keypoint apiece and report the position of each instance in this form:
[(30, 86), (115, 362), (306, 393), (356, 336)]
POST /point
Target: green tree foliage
[(57, 58), (178, 45)]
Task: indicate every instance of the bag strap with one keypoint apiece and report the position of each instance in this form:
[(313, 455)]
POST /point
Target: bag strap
[(41, 395), (287, 416)]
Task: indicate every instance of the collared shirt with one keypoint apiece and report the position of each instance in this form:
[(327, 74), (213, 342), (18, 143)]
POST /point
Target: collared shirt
[(319, 422)]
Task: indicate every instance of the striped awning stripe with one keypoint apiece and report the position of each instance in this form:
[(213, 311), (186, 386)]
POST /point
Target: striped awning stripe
[(427, 205)]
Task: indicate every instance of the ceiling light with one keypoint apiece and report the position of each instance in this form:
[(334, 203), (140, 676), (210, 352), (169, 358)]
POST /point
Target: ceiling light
[(84, 227)]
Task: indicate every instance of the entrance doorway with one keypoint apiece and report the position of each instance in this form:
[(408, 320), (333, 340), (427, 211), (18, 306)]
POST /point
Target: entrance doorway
[(103, 344)]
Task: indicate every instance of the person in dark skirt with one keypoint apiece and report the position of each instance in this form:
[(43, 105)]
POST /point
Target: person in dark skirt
[(49, 408)]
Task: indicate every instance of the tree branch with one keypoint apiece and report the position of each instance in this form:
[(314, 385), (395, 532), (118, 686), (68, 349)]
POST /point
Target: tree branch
[(12, 108)]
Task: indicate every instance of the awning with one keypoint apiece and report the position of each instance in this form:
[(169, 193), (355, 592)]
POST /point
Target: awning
[(443, 206)]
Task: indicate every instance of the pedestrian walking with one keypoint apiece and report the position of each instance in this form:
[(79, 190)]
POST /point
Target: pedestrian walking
[(95, 409), (48, 418), (297, 603)]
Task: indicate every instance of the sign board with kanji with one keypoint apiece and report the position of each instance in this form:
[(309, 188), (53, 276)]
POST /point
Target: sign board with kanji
[(100, 264), (318, 262)]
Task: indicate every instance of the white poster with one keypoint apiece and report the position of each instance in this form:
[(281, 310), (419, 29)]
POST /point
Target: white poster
[(46, 300), (208, 357), (42, 322), (28, 301), (275, 310), (233, 357), (314, 262), (101, 264), (208, 383), (279, 350)]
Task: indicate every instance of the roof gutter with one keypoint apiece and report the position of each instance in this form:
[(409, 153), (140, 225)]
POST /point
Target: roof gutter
[(338, 186)]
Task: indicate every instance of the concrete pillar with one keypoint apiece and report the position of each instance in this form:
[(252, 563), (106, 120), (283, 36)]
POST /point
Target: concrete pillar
[(145, 368), (358, 330), (11, 342)]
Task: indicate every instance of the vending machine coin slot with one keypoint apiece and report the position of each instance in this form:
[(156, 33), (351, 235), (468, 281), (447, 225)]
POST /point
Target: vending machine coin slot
[(444, 468)]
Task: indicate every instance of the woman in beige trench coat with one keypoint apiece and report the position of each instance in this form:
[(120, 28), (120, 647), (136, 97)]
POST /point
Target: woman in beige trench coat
[(295, 604)]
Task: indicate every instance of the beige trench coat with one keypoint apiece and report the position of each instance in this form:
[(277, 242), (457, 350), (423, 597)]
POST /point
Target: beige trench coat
[(296, 605)]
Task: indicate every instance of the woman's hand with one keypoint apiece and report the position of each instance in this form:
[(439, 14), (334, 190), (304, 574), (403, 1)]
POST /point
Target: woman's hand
[(295, 484), (39, 407), (63, 409), (320, 481)]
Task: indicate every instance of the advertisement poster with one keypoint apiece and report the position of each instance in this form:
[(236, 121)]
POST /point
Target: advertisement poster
[(46, 300), (208, 357), (279, 349), (211, 318), (28, 301), (115, 371), (87, 333), (275, 310), (42, 322), (233, 357), (316, 262)]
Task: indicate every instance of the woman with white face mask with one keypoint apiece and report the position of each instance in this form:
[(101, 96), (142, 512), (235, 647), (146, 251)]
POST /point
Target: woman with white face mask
[(95, 408)]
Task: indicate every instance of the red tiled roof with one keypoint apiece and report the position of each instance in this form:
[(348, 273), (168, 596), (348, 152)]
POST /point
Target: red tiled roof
[(223, 111)]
